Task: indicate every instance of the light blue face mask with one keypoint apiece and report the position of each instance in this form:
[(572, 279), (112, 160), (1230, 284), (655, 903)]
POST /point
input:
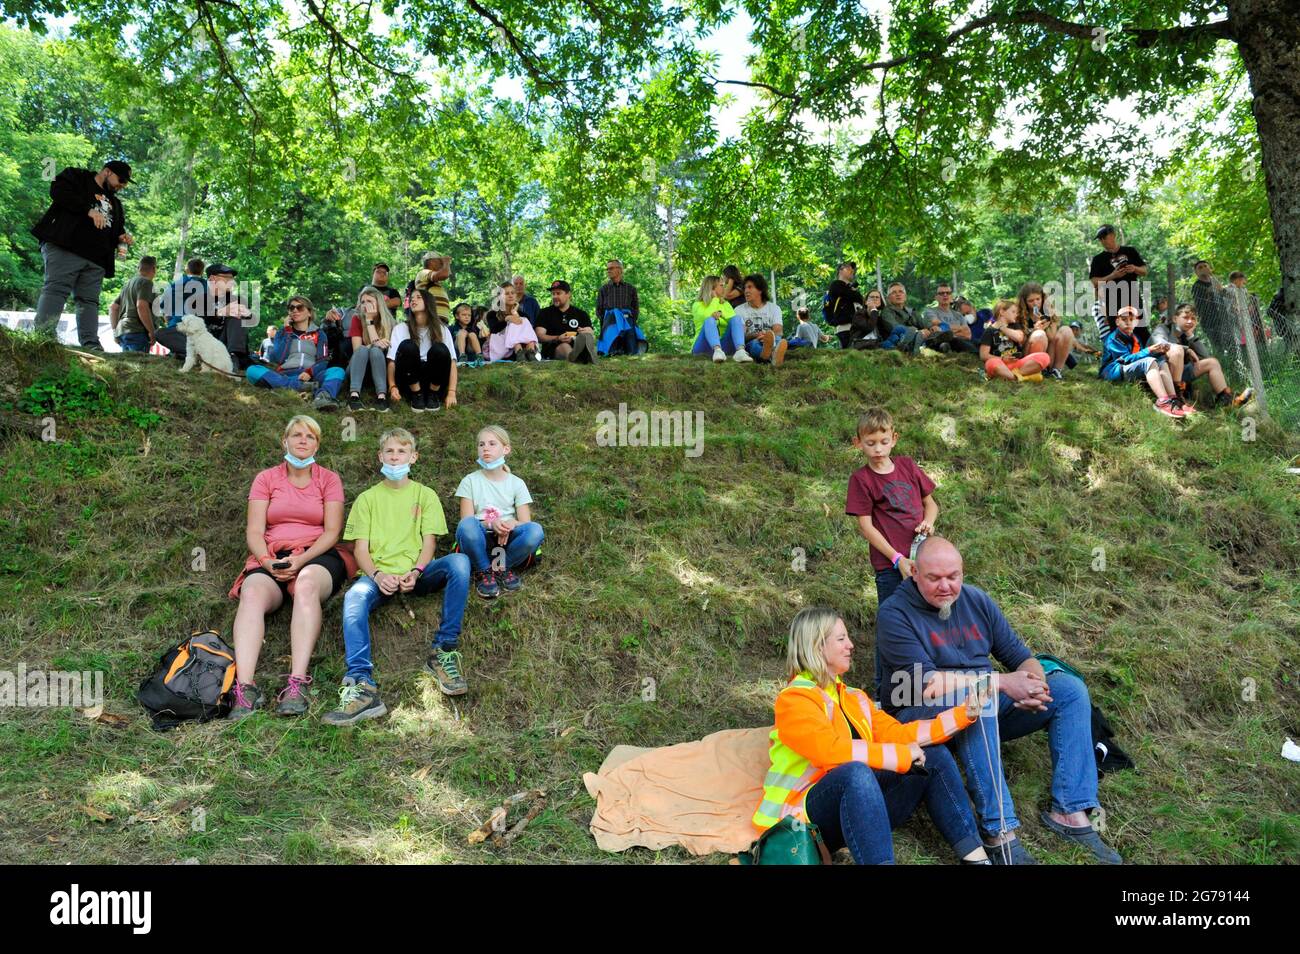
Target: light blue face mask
[(298, 462), (492, 466), (395, 471)]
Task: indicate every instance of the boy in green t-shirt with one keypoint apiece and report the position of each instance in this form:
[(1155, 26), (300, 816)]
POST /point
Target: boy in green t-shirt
[(394, 524)]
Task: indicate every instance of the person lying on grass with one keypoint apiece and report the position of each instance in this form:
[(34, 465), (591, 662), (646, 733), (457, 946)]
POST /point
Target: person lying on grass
[(936, 637), (1004, 344), (395, 525), (295, 513), (1189, 358), (496, 514), (855, 772), (1122, 359), (893, 500)]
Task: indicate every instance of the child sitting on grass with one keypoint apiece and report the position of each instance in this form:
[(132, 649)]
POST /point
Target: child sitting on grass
[(807, 334), (1122, 359), (1189, 358), (469, 350), (394, 524), (496, 512), (893, 500), (1004, 346)]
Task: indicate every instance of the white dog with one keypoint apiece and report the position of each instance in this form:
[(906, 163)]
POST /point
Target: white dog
[(201, 346)]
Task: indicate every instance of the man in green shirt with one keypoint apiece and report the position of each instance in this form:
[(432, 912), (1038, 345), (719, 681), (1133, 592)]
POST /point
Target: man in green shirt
[(394, 524), (131, 314)]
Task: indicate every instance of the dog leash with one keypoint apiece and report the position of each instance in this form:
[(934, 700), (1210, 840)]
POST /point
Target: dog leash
[(228, 374)]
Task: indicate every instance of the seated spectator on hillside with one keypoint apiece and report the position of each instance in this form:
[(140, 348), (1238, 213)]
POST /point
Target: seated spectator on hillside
[(734, 291), (898, 312), (1189, 358), (1002, 347), (949, 327), (131, 314), (421, 369), (1045, 330), (371, 332), (807, 333), (619, 310), (379, 280), (936, 637), (870, 329), (264, 349), (1122, 359), (513, 338), (564, 330), (295, 515), (1082, 350), (469, 349), (847, 767), (841, 298), (709, 311), (762, 318), (1161, 310), (226, 314), (300, 359), (528, 306), (973, 320), (188, 295)]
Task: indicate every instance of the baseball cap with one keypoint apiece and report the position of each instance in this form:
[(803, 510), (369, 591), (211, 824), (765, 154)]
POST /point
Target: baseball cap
[(426, 258), (559, 285), (383, 265), (119, 169), (216, 268), (1104, 231)]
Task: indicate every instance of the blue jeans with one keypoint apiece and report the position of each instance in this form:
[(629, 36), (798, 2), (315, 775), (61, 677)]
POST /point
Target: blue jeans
[(450, 572), (332, 380), (887, 581), (708, 338), (134, 341), (1068, 720), (858, 806), (903, 338), (755, 347), (472, 539)]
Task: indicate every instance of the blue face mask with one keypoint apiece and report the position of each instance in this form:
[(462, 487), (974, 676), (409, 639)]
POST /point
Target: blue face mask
[(298, 462), (492, 466), (395, 471)]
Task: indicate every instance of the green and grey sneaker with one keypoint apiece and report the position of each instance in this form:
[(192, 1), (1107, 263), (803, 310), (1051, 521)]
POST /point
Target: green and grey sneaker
[(293, 697), (357, 701), (445, 667), (248, 698)]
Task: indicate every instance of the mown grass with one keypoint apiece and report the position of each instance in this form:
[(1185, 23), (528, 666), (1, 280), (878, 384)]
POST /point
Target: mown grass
[(657, 566)]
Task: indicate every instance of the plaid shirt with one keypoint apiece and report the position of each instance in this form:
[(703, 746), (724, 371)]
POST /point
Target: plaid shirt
[(621, 295)]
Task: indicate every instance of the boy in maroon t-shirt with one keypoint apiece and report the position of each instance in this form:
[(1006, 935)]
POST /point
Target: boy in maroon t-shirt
[(892, 499)]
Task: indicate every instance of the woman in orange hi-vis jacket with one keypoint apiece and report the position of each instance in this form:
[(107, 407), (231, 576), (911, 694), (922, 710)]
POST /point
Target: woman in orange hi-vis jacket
[(852, 770)]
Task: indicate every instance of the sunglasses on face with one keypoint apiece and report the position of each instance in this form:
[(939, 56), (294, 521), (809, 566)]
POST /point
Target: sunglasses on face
[(297, 307)]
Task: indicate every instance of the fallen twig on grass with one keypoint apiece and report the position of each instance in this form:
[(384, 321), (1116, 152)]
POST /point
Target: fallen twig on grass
[(495, 826)]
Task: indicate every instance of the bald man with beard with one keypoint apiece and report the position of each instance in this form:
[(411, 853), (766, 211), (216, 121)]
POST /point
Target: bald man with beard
[(936, 635)]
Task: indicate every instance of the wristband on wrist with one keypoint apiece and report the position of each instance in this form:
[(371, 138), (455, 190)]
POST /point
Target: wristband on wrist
[(895, 558), (419, 566)]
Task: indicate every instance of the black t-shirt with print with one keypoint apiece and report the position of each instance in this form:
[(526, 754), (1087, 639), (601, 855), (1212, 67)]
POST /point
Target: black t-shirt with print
[(556, 322), (1000, 346), (1125, 291)]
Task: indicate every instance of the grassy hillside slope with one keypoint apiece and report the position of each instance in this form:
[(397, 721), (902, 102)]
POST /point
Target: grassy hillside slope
[(657, 566)]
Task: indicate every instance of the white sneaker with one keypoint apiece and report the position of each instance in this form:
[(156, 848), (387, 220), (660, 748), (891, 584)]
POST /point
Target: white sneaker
[(742, 357), (719, 356)]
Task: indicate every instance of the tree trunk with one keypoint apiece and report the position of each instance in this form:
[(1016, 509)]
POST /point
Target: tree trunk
[(187, 213), (1268, 37)]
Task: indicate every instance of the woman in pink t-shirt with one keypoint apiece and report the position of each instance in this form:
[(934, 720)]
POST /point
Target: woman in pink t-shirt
[(295, 517)]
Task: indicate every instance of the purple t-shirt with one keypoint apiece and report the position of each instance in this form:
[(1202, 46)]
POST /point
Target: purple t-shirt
[(893, 501)]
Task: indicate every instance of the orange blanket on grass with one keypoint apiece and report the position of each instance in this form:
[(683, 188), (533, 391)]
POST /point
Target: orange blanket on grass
[(700, 795)]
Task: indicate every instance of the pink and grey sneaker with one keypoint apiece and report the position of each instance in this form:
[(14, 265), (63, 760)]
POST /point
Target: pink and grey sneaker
[(247, 699), (1168, 408), (293, 697)]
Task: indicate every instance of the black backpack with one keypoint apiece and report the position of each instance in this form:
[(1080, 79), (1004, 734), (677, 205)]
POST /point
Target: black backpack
[(192, 681)]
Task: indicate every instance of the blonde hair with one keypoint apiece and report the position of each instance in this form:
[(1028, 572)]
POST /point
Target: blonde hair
[(804, 652), (706, 288), (399, 434), (382, 313), (306, 421), (497, 431), (875, 419), (1006, 304)]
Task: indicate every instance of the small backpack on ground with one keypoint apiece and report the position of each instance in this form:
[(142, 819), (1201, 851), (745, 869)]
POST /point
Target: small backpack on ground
[(192, 681)]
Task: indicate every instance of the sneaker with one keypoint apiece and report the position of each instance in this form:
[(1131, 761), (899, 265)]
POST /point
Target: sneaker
[(1085, 836), (778, 356), (742, 357), (1036, 376), (293, 697), (1010, 853), (354, 402), (1243, 397), (719, 356), (1166, 407), (1055, 374), (417, 402), (508, 580), (433, 403), (767, 338), (323, 401), (445, 667), (485, 585), (381, 403), (537, 355), (357, 701), (1184, 406), (1223, 399), (248, 698)]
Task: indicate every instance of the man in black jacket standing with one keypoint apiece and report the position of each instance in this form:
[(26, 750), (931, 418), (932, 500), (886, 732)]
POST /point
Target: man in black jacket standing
[(843, 294), (79, 235)]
